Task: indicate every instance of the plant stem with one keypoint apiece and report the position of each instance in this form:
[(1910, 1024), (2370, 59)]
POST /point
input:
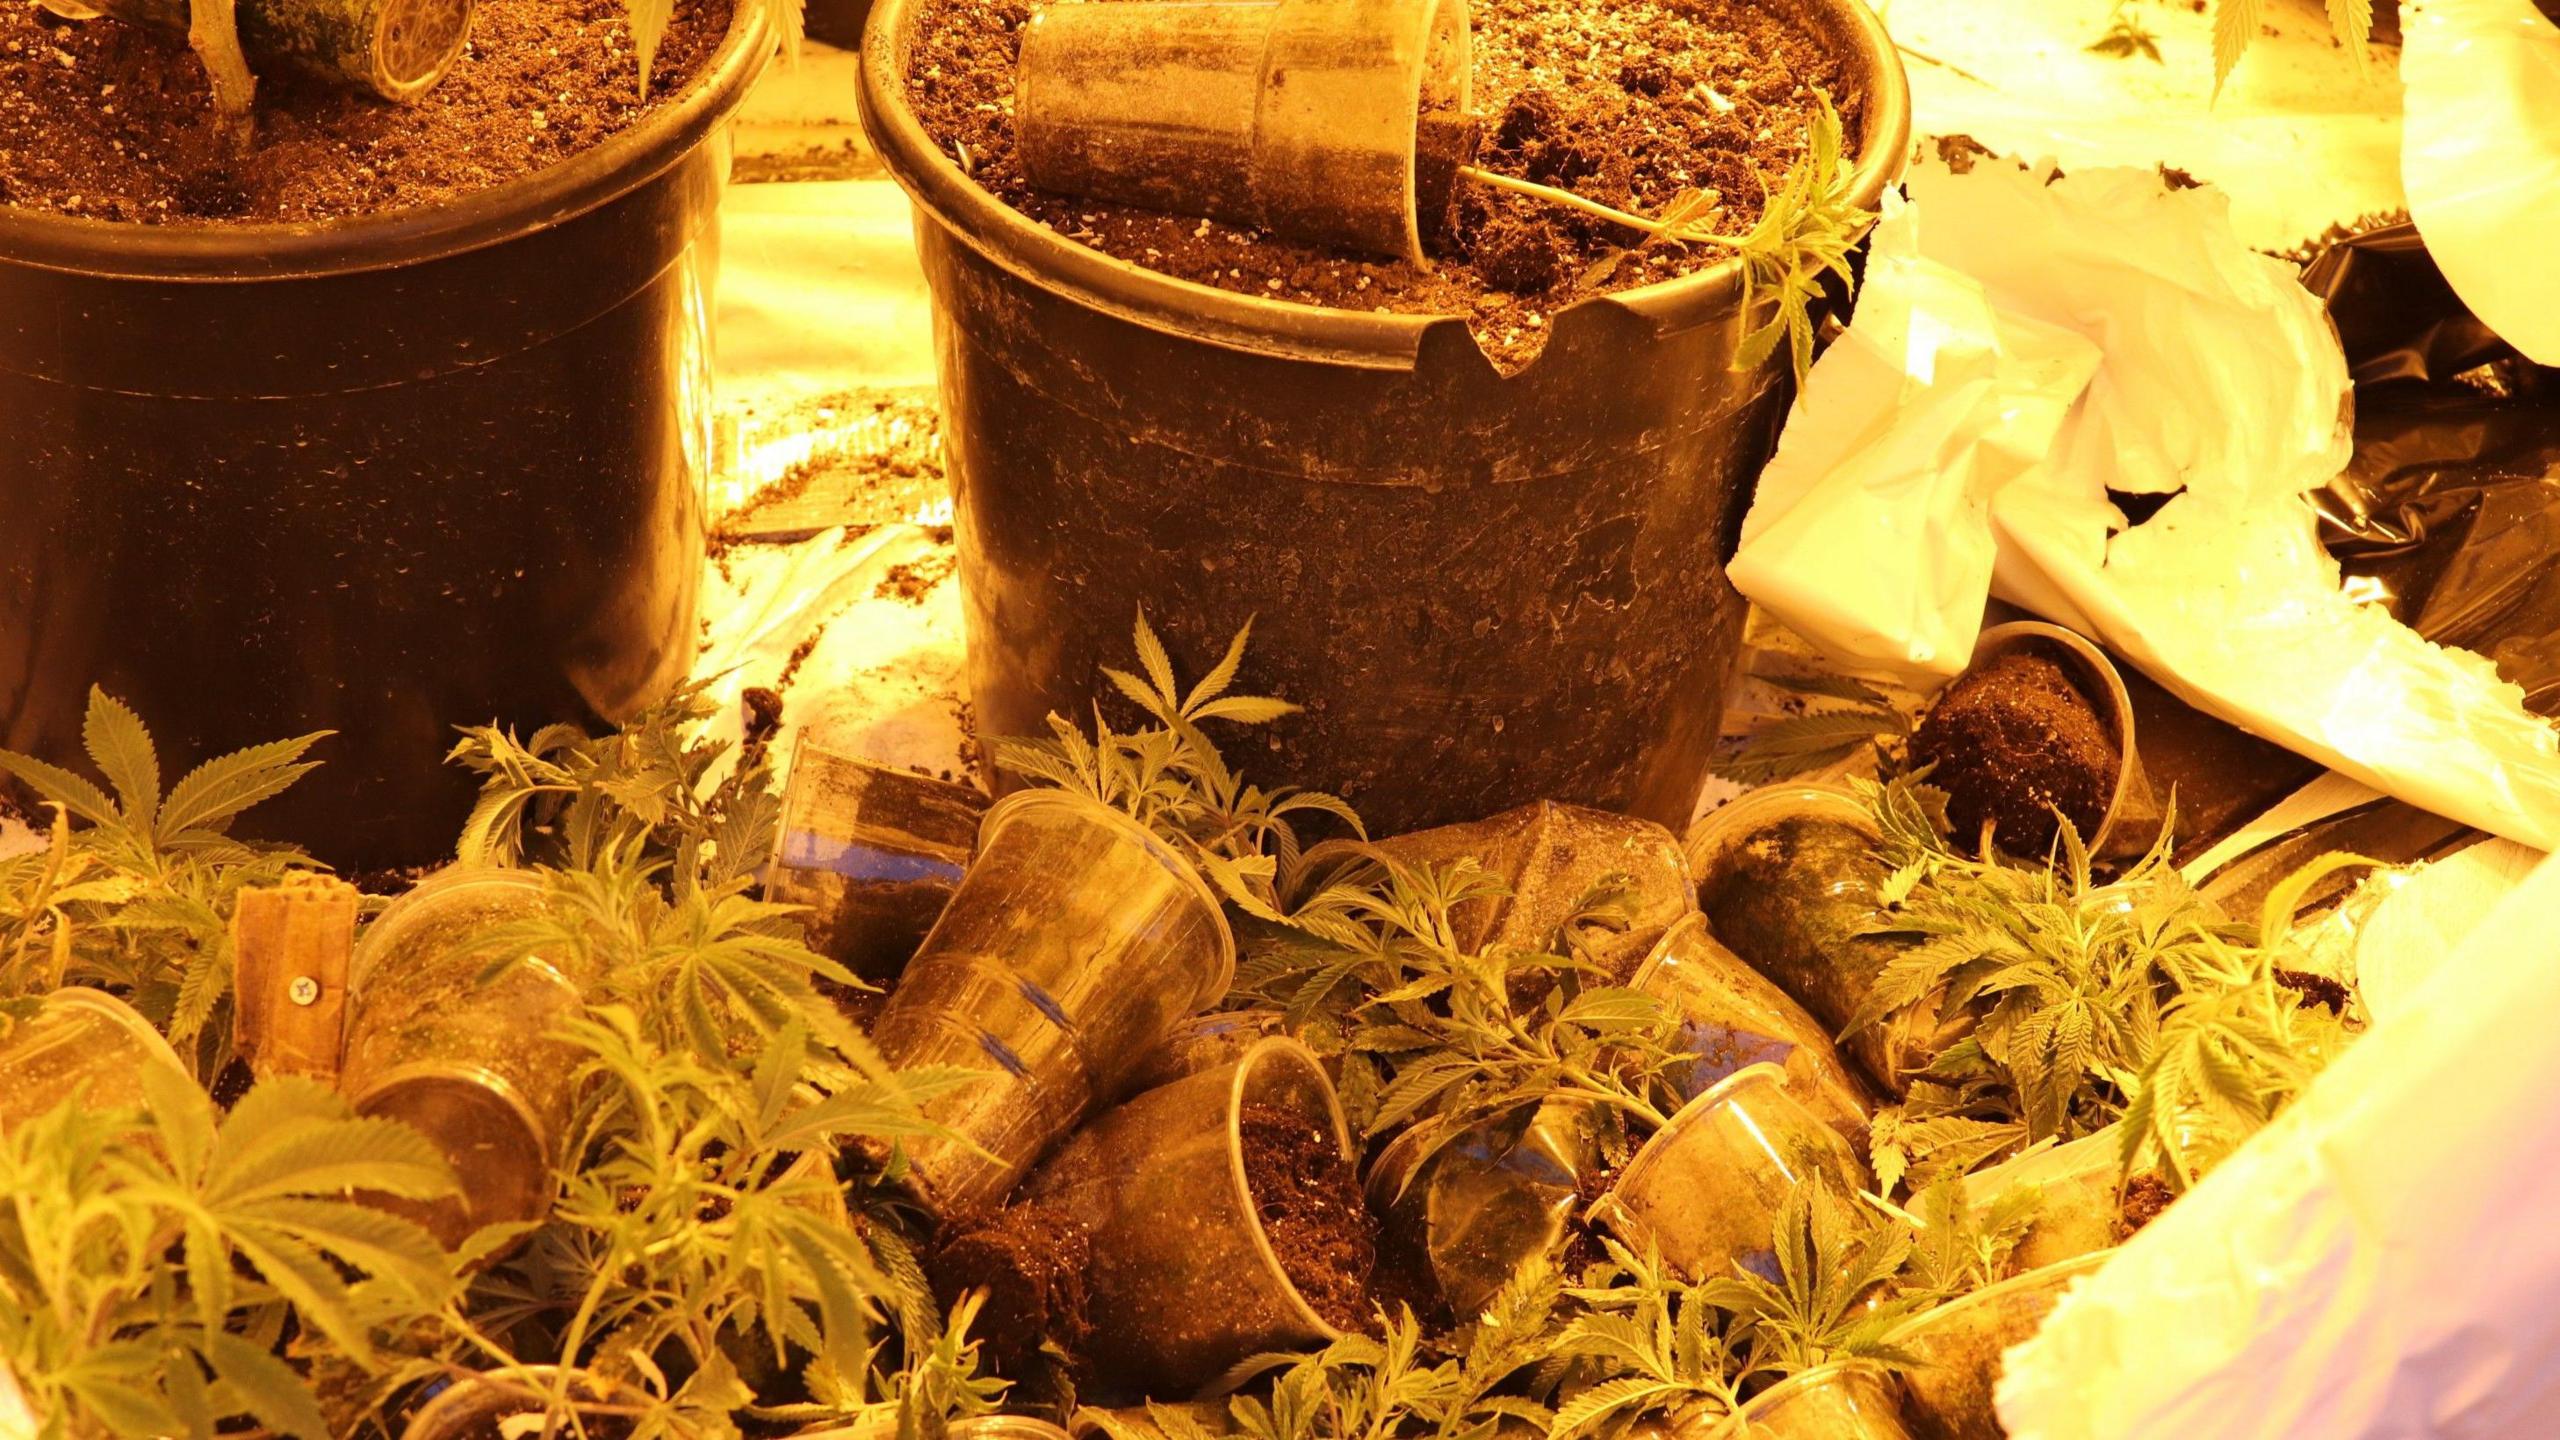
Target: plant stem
[(1553, 196)]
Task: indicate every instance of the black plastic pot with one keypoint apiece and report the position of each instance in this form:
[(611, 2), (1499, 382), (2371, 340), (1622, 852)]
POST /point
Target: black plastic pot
[(1489, 589), (380, 476)]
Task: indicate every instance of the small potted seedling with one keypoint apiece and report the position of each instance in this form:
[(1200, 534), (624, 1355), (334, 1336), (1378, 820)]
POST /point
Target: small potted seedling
[(1226, 1217), (458, 1037), (1790, 878), (2037, 732), (1731, 1016), (1956, 1349), (1706, 1189), (78, 1041), (1086, 928)]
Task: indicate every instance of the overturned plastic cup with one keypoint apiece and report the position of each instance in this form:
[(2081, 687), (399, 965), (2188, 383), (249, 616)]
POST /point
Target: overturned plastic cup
[(1300, 117), (1185, 1281), (397, 49), (1829, 1402), (2129, 818), (1957, 1349), (1732, 1016), (467, 1058), (874, 853), (1070, 949), (1493, 1201), (2078, 1189), (1706, 1190), (81, 1042)]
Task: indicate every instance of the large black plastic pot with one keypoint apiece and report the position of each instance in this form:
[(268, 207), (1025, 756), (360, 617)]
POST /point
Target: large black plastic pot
[(1488, 590), (381, 476)]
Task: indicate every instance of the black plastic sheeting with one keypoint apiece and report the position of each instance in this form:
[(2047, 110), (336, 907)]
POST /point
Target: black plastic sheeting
[(2449, 513)]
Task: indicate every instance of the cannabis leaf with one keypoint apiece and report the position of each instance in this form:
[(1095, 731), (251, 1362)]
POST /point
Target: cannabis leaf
[(1820, 737), (1834, 1259), (648, 20), (1645, 1343), (2126, 37)]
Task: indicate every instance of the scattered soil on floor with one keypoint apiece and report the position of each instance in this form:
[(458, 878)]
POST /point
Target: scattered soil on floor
[(762, 720), (799, 656), (1627, 102), (1309, 1198), (112, 121), (2012, 742), (2311, 989), (914, 580), (1032, 1261), (2144, 1198)]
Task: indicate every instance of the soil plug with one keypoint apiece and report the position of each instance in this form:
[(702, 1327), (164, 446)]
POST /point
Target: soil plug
[(1299, 117), (398, 49), (1226, 1220), (1491, 1202), (2039, 722), (1706, 1190), (1069, 950), (80, 1042), (1833, 1402), (1947, 1395), (443, 1037), (290, 946), (1733, 1017), (1788, 876), (874, 853)]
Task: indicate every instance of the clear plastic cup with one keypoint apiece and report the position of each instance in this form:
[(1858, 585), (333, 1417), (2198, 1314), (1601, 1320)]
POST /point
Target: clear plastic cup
[(1205, 1042), (1788, 878), (874, 854), (475, 1067), (1489, 1203), (397, 49), (474, 1407), (1832, 1402), (1185, 1282), (1068, 952), (2132, 818), (1295, 116), (1947, 1395), (2079, 1190), (1550, 856), (82, 1042), (1732, 1016), (1705, 1190)]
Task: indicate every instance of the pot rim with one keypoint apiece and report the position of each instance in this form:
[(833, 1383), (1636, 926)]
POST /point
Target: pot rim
[(397, 917), (1280, 1047), (1739, 1422), (1940, 1314), (293, 250), (121, 1014), (1005, 810), (1719, 829), (1005, 236), (2101, 667), (1649, 1155)]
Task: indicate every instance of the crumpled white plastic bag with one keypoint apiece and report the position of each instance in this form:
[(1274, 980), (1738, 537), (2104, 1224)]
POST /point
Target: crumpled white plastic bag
[(2480, 158), (2222, 385), (2375, 1265)]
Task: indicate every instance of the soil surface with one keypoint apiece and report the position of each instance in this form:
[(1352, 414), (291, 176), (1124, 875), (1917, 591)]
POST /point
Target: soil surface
[(112, 121), (2144, 1198), (1032, 1263), (1627, 102), (1309, 1199), (2014, 741), (2315, 991)]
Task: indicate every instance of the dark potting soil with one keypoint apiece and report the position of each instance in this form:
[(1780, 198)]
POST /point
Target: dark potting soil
[(112, 122), (1032, 1262), (2012, 742), (2145, 1196), (1309, 1198), (2312, 990), (1627, 102)]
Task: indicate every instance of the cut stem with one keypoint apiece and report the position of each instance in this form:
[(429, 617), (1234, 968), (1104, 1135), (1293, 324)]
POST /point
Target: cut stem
[(1685, 235)]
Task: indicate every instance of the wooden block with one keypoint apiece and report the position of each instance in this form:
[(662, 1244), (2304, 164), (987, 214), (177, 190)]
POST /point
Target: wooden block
[(290, 945)]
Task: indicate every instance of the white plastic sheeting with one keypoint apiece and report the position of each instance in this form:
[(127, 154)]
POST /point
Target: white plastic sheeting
[(2480, 157), (2379, 1264), (2220, 385)]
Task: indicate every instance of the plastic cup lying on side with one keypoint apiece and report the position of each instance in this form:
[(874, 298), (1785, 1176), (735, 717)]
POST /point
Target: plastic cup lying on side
[(1732, 1016), (82, 1042), (1832, 1402), (1185, 1282), (1958, 1345), (1075, 942), (1788, 878), (2079, 1189), (1295, 116), (1705, 1190), (874, 854), (2130, 821), (472, 1065), (397, 49), (1205, 1042), (1551, 856), (1491, 1202)]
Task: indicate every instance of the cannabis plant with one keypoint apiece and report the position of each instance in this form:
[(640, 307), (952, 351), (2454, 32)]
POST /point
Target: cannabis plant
[(151, 1263), (134, 890), (1644, 1344), (1171, 778), (1834, 1259), (1958, 1246), (1820, 737)]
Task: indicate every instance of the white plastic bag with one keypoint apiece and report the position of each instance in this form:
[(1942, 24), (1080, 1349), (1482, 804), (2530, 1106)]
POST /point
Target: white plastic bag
[(2480, 159)]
